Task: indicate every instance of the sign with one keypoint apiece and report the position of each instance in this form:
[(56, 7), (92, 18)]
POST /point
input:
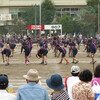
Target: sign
[(53, 27), (44, 27), (36, 27), (5, 17)]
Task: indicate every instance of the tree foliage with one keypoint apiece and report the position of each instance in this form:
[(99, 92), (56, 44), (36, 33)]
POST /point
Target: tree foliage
[(67, 24), (48, 12), (29, 16), (92, 2)]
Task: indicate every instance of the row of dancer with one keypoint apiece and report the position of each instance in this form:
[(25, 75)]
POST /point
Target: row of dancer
[(57, 45)]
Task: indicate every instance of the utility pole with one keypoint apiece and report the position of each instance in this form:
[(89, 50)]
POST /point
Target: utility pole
[(99, 17), (40, 18), (35, 17)]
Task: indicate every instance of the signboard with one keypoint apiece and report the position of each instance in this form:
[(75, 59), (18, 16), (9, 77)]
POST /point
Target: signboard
[(5, 17), (36, 27), (53, 27), (44, 27)]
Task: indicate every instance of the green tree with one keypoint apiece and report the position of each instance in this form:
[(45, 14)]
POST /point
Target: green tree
[(87, 21), (67, 24), (48, 12), (92, 2), (29, 16)]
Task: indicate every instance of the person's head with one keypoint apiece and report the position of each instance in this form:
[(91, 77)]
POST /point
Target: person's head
[(55, 82), (85, 75), (3, 81), (41, 44), (57, 47), (97, 71), (75, 70), (32, 76)]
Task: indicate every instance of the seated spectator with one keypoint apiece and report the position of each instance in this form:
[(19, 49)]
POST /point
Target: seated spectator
[(96, 81), (32, 90), (56, 83), (83, 90), (4, 95), (72, 80)]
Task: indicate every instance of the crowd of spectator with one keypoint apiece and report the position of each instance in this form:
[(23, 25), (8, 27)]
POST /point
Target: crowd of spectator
[(79, 86)]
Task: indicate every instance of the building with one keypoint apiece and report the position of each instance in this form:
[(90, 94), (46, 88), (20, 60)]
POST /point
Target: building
[(14, 7)]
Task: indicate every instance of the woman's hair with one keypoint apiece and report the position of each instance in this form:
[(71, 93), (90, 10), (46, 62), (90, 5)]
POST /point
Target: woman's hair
[(97, 71), (85, 75)]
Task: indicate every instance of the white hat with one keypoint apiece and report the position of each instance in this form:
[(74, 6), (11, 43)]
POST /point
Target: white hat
[(75, 69), (32, 75)]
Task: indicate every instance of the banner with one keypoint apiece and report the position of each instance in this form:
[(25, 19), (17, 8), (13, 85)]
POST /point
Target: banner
[(35, 27), (53, 27), (5, 17)]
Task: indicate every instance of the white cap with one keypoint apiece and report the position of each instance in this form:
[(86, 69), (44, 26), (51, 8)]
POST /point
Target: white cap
[(75, 69)]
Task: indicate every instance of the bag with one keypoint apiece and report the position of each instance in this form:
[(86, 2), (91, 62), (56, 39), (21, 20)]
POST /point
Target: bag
[(96, 88)]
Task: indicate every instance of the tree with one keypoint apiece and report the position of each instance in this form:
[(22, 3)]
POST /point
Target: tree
[(92, 2), (95, 4), (31, 15), (67, 24), (28, 15), (48, 12)]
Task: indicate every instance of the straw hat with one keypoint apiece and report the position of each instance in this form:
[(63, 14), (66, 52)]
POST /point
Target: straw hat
[(32, 75)]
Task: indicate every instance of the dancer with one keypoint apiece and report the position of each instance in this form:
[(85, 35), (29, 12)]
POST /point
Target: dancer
[(6, 51), (42, 53), (74, 52), (63, 51), (29, 45), (1, 45), (12, 46), (26, 50)]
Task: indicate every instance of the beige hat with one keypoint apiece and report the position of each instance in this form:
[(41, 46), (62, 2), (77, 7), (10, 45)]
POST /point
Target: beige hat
[(32, 75), (75, 69)]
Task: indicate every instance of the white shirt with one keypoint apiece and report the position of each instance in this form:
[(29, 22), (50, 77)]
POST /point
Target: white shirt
[(70, 82), (4, 95), (80, 36), (8, 36)]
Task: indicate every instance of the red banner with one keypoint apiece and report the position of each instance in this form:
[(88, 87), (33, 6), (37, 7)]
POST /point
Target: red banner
[(36, 27)]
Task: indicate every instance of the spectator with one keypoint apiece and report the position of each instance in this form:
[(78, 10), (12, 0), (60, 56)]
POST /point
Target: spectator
[(83, 90), (32, 90), (80, 36), (4, 95), (71, 80), (96, 81), (56, 83), (8, 36)]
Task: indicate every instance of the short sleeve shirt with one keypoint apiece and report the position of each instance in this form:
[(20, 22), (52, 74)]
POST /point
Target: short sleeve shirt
[(63, 95), (82, 91)]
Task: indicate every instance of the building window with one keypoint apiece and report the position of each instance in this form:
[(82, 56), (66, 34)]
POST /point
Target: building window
[(15, 12), (59, 9)]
